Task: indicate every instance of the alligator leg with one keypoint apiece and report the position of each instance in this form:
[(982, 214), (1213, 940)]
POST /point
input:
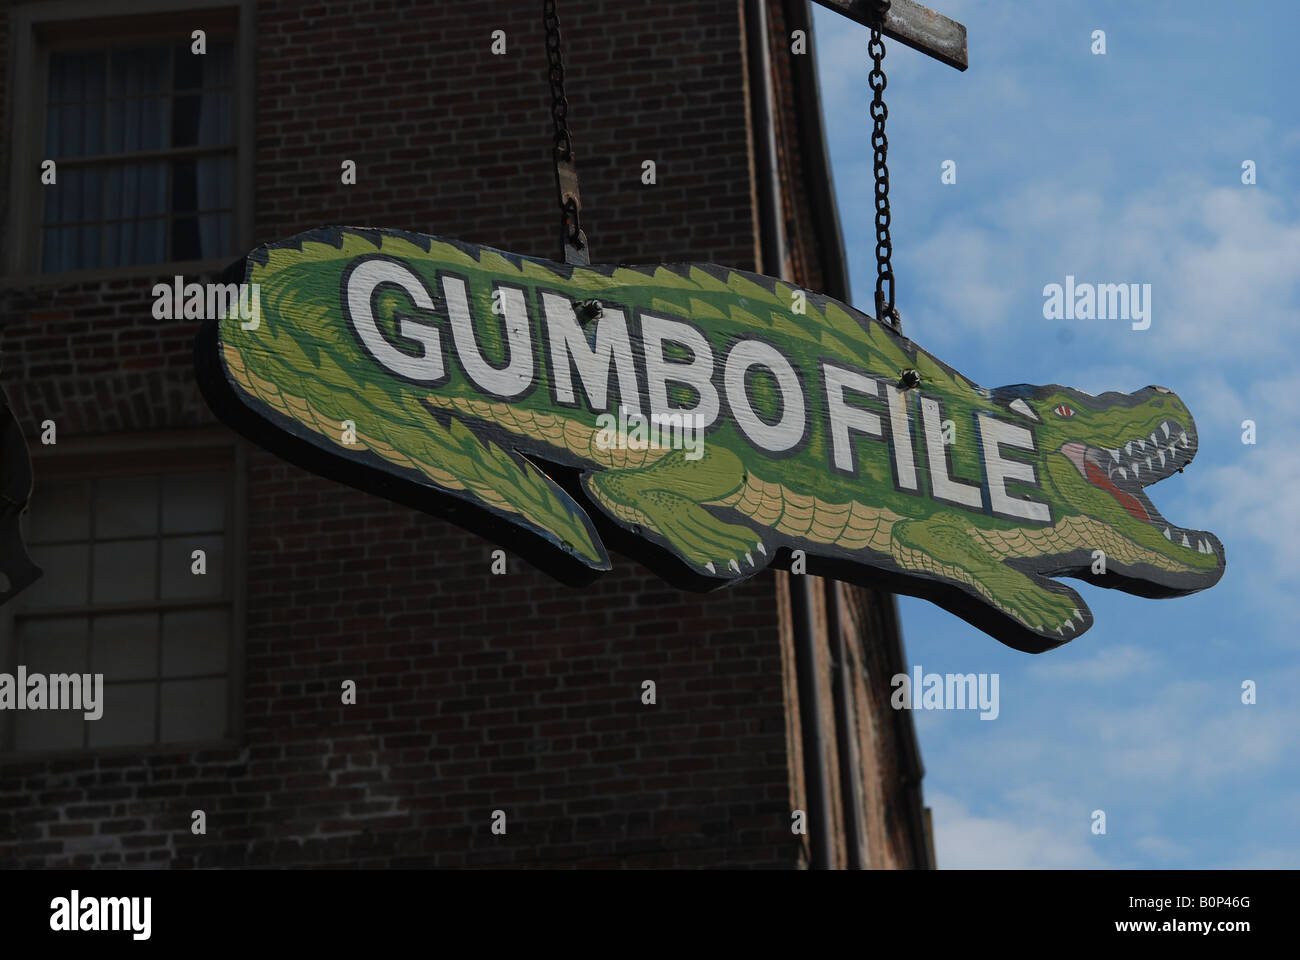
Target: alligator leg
[(942, 547), (663, 498)]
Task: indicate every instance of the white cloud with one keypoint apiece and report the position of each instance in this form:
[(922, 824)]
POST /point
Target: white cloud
[(1103, 666), (959, 267), (1163, 849), (1223, 264), (965, 841), (1190, 734)]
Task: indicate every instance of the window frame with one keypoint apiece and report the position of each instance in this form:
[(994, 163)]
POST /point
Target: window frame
[(156, 447), (36, 29)]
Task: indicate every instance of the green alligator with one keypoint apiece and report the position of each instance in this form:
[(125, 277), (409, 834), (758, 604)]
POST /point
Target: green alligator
[(793, 430)]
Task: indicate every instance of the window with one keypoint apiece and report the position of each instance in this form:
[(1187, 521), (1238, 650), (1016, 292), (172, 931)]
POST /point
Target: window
[(120, 597), (143, 140), (151, 142)]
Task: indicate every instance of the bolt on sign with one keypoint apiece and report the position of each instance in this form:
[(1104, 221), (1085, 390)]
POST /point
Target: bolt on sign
[(552, 408), (17, 572)]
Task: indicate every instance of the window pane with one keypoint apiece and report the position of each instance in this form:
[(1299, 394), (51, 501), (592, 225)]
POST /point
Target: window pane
[(67, 199), (77, 197), (89, 247), (48, 729), (219, 67), (63, 205), (194, 501), (64, 582), (125, 571), (135, 241), (138, 124), (185, 239), (212, 69), (126, 507), (214, 179), (134, 73), (213, 235), (128, 716), (125, 646), (178, 582), (136, 190), (60, 510), (76, 75), (53, 644), (74, 130), (51, 244), (196, 642), (92, 195), (185, 186), (202, 119), (70, 249), (65, 249), (193, 710)]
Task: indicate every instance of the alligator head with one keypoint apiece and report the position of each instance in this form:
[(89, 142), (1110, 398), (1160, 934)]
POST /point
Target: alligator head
[(1100, 454)]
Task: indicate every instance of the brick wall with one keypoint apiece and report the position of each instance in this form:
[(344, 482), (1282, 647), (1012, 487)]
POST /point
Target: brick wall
[(475, 692)]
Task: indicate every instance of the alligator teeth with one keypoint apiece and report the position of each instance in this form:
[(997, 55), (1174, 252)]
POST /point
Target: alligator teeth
[(1128, 448), (1152, 438), (1122, 472), (1162, 457), (1165, 427), (1167, 537), (1078, 613), (749, 558), (761, 549), (1142, 445), (732, 565), (1136, 475), (1182, 438), (1202, 547), (1173, 451), (1149, 467), (1058, 630), (1114, 455), (1185, 543), (709, 566), (1069, 624)]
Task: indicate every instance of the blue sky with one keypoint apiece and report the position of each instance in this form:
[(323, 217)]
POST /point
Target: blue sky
[(1117, 168)]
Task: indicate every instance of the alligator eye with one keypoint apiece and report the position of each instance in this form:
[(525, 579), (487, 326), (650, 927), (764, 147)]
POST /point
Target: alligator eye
[(1064, 411)]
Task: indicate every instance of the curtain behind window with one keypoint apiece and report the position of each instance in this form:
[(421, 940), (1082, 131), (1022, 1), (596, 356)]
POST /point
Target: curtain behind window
[(142, 140)]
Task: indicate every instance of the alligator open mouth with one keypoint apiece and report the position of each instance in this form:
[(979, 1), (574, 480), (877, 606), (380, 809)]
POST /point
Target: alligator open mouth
[(1123, 472)]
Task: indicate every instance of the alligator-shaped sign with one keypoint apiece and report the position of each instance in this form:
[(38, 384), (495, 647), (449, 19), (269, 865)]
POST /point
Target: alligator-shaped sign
[(709, 421)]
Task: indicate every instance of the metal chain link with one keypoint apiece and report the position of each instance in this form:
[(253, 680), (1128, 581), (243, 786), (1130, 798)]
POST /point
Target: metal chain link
[(886, 312), (570, 212)]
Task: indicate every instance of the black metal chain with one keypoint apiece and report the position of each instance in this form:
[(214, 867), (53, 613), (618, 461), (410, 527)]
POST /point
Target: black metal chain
[(886, 312), (566, 172)]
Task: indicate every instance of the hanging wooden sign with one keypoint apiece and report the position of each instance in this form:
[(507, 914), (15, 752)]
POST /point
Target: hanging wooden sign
[(17, 572), (706, 420)]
